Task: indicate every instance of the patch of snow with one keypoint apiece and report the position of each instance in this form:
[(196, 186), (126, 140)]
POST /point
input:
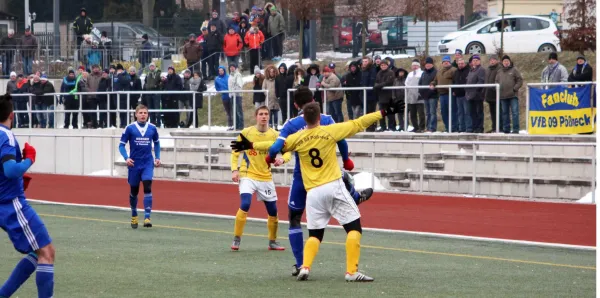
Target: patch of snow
[(213, 128), (523, 132), (103, 173), (362, 180), (337, 55), (167, 143), (587, 199)]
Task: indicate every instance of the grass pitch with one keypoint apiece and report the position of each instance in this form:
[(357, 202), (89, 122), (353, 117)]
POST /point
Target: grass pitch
[(99, 255)]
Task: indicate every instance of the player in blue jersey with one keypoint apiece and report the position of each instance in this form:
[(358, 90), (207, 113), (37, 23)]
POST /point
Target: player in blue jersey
[(297, 195), (22, 224), (140, 135)]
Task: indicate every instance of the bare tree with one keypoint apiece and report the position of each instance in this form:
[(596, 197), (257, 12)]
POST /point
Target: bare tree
[(469, 10), (501, 51), (365, 9), (428, 10), (148, 11), (305, 10), (581, 35)]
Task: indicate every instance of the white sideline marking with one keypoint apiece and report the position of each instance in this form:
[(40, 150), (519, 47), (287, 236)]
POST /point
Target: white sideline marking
[(427, 234)]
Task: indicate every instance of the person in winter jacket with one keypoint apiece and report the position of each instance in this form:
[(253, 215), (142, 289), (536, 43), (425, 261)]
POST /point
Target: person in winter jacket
[(582, 72), (244, 27), (258, 98), (91, 101), (313, 80), (416, 106), (335, 98), (235, 83), (184, 101), (29, 46), (215, 21), (460, 78), (281, 90), (232, 45), (172, 82), (444, 77), (430, 96), (145, 53), (510, 81), (276, 30), (490, 93), (273, 103), (192, 52), (135, 85), (202, 41), (71, 84), (475, 95), (8, 49), (105, 85), (198, 84), (554, 72), (222, 84), (254, 40), (289, 84), (354, 98), (214, 43), (82, 25), (385, 78), (368, 76), (37, 101), (152, 82), (398, 97)]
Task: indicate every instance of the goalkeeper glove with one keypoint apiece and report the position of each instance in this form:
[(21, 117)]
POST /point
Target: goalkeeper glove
[(348, 164), (242, 145), (29, 152), (26, 180)]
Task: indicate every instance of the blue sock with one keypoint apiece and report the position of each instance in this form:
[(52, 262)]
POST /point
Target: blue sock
[(147, 205), (133, 203), (297, 243), (20, 274), (44, 280), (355, 195)]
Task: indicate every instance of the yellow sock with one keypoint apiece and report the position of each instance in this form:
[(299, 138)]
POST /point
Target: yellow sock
[(311, 248), (272, 225), (240, 222), (352, 251)]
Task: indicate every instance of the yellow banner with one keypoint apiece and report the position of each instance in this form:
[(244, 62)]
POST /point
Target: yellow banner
[(562, 121)]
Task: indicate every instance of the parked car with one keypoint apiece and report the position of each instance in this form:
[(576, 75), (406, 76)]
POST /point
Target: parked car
[(395, 29), (522, 34), (342, 34), (127, 37)]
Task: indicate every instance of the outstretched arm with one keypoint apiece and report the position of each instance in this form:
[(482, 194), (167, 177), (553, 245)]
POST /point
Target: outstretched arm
[(347, 129)]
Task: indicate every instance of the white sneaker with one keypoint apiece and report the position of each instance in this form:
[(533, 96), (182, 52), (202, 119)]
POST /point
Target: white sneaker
[(303, 275), (357, 277)]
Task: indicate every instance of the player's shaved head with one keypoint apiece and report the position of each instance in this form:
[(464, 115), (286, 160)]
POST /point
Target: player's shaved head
[(312, 113), (302, 96), (6, 107), (261, 108)]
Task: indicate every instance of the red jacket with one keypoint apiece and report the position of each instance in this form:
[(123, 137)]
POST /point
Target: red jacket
[(232, 44), (254, 40)]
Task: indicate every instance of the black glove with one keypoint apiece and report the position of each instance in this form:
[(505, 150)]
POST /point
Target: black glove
[(242, 145), (390, 110)]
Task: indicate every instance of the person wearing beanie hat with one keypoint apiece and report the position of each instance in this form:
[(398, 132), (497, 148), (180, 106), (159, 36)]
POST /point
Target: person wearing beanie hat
[(218, 23), (510, 81), (429, 96), (385, 78), (82, 25), (490, 93), (259, 98), (475, 96), (444, 76), (457, 55), (428, 60), (192, 52), (554, 72), (458, 95), (582, 72), (276, 28), (377, 60), (152, 82), (145, 52)]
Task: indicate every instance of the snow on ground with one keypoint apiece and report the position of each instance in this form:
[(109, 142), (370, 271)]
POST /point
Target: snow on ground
[(325, 55), (362, 180), (212, 128), (587, 199), (103, 173)]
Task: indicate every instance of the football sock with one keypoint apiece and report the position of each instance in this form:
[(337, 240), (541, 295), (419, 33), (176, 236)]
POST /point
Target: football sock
[(311, 248), (133, 200), (20, 274), (352, 251), (147, 205), (240, 222), (297, 243), (355, 195), (44, 280), (272, 225)]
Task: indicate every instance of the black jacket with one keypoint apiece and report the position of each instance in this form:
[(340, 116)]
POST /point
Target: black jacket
[(426, 78), (352, 79), (8, 44), (385, 78), (83, 25), (460, 78), (581, 73), (367, 79), (214, 41), (280, 82)]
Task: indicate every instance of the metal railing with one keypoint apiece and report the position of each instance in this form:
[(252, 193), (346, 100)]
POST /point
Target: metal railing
[(531, 85), (128, 110), (405, 88), (375, 142)]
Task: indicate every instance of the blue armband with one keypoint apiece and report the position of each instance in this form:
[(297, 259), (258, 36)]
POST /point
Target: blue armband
[(123, 151), (343, 147), (13, 170), (157, 150)]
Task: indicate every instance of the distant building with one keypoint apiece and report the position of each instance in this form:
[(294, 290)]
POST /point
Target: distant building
[(525, 7)]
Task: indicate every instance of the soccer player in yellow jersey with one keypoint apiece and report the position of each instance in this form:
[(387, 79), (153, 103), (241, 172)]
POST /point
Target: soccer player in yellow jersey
[(327, 196), (254, 175)]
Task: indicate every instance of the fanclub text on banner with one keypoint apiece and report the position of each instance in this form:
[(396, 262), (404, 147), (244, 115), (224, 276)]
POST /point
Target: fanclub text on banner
[(560, 110)]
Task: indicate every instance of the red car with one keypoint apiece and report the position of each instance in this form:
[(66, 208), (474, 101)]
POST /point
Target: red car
[(342, 34)]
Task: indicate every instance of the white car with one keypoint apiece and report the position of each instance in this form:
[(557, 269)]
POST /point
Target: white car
[(522, 34)]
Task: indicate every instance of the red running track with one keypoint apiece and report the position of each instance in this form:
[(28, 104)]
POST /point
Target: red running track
[(563, 223)]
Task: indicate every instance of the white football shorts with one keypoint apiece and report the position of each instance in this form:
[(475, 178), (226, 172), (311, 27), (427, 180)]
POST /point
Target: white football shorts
[(265, 190), (327, 200)]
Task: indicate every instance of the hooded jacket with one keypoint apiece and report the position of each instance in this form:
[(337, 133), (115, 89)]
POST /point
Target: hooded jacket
[(214, 41), (276, 24), (412, 79), (581, 73), (280, 82), (269, 84), (152, 80), (254, 38), (510, 81), (385, 78), (244, 31), (368, 76), (490, 78), (352, 79), (222, 83), (399, 94), (235, 82), (258, 97), (313, 81), (476, 77), (232, 44)]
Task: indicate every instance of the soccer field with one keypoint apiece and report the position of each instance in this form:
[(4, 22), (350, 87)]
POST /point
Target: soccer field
[(99, 255)]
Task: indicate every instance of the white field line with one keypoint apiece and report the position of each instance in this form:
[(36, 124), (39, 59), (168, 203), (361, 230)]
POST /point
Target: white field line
[(427, 234)]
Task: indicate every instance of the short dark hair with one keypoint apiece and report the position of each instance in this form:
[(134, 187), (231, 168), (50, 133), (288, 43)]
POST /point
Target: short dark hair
[(6, 107), (261, 108), (302, 96), (312, 113)]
